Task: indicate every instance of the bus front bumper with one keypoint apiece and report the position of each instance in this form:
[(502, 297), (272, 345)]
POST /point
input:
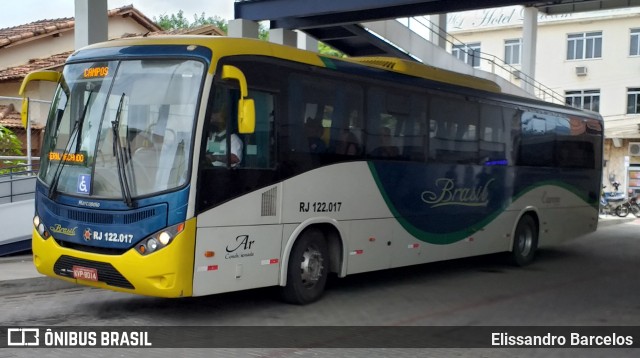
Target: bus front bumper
[(165, 273)]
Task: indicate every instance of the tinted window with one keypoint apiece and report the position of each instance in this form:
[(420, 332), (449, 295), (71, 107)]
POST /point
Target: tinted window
[(454, 130)]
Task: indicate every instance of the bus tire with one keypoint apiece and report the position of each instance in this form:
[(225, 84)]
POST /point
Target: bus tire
[(525, 241), (307, 269)]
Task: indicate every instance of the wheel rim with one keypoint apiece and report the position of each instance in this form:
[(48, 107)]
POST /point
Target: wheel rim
[(623, 211), (525, 241), (311, 267)]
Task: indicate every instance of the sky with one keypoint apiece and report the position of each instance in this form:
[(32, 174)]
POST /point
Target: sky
[(25, 11)]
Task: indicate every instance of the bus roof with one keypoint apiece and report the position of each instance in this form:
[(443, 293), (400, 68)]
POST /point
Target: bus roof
[(226, 46), (429, 72)]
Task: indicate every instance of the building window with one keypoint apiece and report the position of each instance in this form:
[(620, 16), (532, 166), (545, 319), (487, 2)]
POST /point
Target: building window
[(512, 50), (584, 99), (633, 101), (469, 53), (584, 45), (634, 46)]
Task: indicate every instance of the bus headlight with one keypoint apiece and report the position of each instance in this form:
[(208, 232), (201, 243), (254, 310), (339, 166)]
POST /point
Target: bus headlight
[(39, 225), (152, 245), (159, 239)]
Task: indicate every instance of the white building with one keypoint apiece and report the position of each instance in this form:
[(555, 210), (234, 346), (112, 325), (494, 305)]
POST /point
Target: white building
[(591, 59)]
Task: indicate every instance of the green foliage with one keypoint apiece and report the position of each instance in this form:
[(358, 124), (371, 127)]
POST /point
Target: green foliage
[(324, 49), (217, 21), (179, 21), (10, 145), (173, 21)]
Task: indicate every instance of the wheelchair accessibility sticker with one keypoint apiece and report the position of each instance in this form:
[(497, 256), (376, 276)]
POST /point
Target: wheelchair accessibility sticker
[(84, 184)]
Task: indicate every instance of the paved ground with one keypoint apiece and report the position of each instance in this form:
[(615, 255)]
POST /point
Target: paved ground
[(19, 276), (452, 296)]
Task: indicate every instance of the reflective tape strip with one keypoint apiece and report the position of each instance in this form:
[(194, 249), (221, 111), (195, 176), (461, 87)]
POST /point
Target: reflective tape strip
[(207, 268)]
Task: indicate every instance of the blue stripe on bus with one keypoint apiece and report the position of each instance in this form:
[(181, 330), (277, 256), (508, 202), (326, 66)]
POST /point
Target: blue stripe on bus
[(137, 51), (442, 204), (68, 220)]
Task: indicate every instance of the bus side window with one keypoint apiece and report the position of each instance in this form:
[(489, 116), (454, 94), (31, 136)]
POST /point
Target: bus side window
[(414, 131), (456, 124), (396, 127), (492, 134), (537, 141), (259, 147)]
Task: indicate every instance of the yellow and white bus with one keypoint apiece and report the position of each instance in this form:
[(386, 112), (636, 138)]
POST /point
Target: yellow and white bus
[(346, 166)]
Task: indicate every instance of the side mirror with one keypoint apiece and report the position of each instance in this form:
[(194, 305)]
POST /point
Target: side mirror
[(50, 76), (24, 111), (246, 116), (246, 105)]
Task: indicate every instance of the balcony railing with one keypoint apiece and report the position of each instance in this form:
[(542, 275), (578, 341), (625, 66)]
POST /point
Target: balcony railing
[(492, 64)]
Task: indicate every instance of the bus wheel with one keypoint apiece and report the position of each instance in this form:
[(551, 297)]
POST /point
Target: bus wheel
[(525, 241), (307, 269)]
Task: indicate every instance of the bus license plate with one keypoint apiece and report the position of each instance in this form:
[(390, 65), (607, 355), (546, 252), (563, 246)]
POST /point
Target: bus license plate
[(85, 273)]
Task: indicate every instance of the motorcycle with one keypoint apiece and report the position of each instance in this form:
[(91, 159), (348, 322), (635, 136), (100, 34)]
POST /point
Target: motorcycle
[(614, 202), (633, 206)]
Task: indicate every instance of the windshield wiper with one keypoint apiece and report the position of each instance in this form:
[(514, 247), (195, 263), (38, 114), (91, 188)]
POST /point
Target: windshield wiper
[(73, 136), (118, 152)]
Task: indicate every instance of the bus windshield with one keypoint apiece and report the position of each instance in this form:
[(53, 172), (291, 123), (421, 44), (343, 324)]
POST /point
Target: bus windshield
[(121, 129)]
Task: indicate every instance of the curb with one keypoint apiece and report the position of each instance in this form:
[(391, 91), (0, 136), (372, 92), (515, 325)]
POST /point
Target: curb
[(23, 286), (614, 221), (16, 258), (31, 285)]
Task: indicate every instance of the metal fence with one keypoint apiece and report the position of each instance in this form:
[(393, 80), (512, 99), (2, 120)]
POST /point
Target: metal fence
[(17, 183), (28, 158), (495, 64)]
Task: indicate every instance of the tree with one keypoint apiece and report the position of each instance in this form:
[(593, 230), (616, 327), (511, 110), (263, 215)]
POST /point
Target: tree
[(10, 145), (324, 49), (217, 21), (173, 21), (178, 21)]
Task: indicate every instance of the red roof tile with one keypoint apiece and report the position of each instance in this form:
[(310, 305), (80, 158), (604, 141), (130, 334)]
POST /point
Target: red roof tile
[(31, 31), (56, 61), (18, 72), (10, 118)]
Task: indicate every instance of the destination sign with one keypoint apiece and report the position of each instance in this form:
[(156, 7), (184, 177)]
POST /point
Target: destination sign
[(69, 158), (93, 72)]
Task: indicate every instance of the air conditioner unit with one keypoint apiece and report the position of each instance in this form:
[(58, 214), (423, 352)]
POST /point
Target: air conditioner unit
[(634, 149), (581, 70)]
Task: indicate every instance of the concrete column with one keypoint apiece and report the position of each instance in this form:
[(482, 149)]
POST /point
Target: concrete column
[(438, 34), (307, 42), (529, 38), (243, 28), (283, 37), (94, 12)]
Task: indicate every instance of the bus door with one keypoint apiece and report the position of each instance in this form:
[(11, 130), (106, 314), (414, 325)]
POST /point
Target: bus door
[(239, 237)]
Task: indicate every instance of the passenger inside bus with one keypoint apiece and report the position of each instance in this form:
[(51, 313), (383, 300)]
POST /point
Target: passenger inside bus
[(386, 148), (348, 144), (217, 142), (313, 128)]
